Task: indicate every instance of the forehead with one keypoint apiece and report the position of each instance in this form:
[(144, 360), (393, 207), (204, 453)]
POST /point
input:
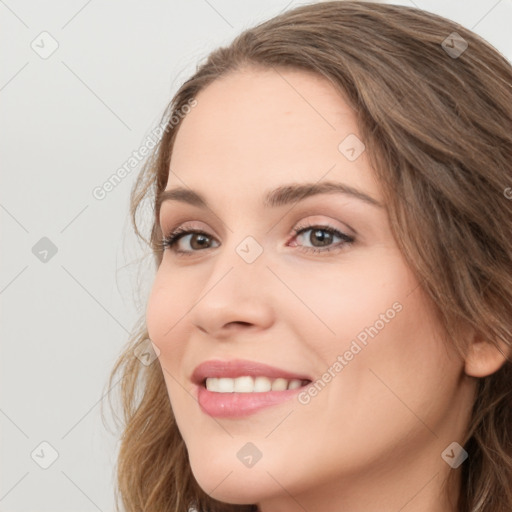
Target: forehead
[(267, 126)]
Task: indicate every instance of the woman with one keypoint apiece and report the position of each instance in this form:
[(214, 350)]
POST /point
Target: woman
[(332, 306)]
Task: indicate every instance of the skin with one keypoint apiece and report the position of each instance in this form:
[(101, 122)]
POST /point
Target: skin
[(372, 438)]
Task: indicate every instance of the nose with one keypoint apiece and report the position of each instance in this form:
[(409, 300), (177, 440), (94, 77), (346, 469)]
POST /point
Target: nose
[(236, 297)]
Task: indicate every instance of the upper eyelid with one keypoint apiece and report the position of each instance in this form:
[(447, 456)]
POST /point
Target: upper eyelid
[(182, 227), (181, 231), (309, 212), (185, 226)]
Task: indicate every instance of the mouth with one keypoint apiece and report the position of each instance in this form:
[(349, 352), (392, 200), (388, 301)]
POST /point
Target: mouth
[(238, 388), (245, 376), (250, 384)]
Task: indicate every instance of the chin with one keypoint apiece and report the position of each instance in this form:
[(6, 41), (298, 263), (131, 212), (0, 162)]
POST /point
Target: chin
[(231, 482), (239, 488)]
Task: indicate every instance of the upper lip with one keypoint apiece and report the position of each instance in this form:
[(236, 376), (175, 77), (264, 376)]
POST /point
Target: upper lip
[(240, 367)]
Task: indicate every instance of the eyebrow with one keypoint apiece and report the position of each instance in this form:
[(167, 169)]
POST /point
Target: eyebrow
[(280, 196)]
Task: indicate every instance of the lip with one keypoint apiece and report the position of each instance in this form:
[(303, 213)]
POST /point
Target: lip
[(234, 368), (240, 404)]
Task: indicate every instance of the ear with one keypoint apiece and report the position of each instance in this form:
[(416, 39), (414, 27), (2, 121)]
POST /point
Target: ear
[(484, 358)]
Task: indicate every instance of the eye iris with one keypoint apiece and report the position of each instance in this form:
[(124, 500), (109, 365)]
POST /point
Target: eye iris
[(201, 239), (324, 236)]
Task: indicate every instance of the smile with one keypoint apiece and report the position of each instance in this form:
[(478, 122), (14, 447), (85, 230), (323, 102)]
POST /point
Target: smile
[(249, 384)]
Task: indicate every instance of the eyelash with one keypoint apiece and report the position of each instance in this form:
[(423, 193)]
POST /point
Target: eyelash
[(171, 240)]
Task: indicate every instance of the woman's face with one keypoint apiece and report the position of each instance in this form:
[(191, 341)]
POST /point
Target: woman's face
[(335, 304)]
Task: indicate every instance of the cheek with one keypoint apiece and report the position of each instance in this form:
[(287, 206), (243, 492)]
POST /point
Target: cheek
[(159, 314), (385, 331), (166, 321), (343, 302), (166, 310), (400, 381)]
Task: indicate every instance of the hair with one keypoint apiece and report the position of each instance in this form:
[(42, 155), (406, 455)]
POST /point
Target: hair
[(438, 134)]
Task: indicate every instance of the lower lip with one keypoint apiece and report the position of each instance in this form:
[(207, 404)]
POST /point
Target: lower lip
[(230, 405)]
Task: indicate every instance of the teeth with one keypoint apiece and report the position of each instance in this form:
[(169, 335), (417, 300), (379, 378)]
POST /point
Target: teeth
[(294, 384), (225, 385), (262, 384), (280, 385), (243, 384), (247, 384)]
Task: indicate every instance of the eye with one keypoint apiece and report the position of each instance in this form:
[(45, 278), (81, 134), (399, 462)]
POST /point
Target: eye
[(322, 238), (198, 240)]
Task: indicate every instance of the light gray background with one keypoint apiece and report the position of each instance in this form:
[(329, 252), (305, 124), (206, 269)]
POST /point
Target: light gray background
[(68, 123)]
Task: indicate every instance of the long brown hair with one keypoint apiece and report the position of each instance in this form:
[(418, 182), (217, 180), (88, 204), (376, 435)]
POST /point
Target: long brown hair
[(436, 118)]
